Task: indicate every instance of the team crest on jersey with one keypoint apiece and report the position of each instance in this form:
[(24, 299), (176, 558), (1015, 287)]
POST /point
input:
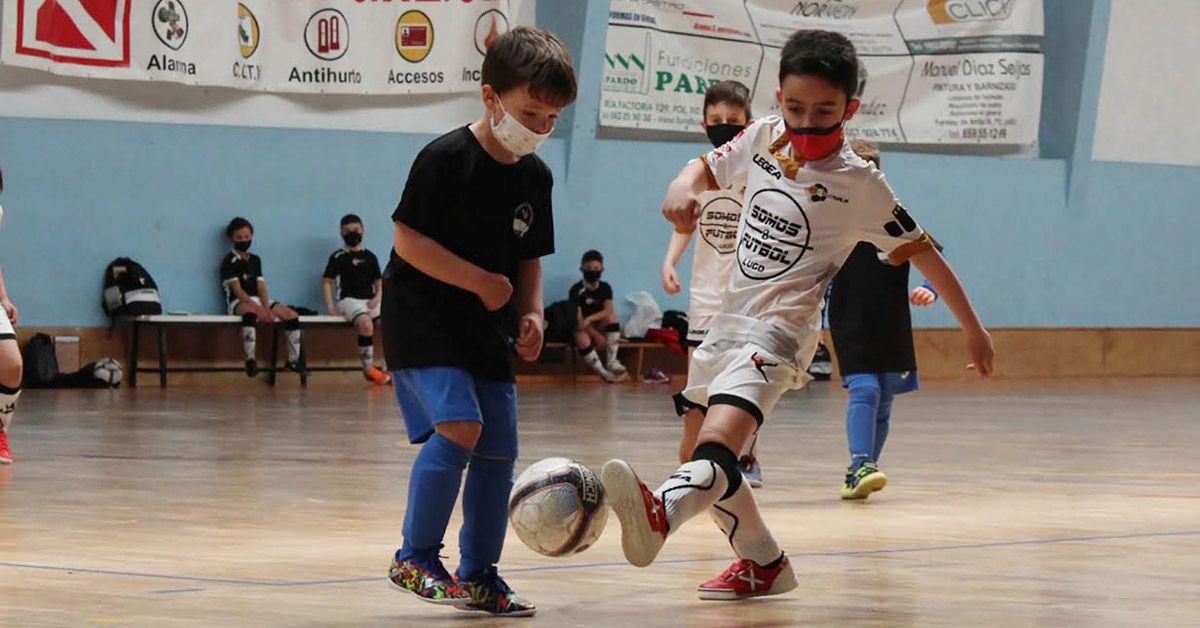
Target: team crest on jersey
[(776, 236), (818, 193), (522, 219), (719, 222)]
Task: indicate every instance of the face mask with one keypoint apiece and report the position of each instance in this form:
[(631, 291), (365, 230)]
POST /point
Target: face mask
[(721, 134), (513, 135), (352, 238), (242, 246), (591, 276), (812, 143)]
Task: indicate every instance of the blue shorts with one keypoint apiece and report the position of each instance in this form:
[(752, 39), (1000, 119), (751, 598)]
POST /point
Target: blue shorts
[(432, 395), (889, 383)]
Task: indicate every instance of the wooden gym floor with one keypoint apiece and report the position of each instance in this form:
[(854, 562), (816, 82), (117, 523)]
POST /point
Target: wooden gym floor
[(1012, 503)]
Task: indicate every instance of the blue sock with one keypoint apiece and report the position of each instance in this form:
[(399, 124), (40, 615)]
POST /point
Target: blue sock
[(432, 492), (883, 419), (485, 515), (860, 419)]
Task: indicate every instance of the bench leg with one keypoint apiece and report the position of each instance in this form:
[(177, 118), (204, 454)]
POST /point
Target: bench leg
[(274, 354), (162, 356), (303, 361), (641, 359), (133, 354)]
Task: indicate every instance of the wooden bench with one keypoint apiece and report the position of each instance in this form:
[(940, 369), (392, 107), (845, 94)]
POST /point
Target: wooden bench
[(162, 322), (639, 349)]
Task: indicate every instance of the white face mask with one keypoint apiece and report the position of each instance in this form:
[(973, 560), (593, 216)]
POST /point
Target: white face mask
[(514, 136)]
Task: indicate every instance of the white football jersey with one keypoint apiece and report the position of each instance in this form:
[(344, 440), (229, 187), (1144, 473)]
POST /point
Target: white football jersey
[(800, 220), (716, 241)]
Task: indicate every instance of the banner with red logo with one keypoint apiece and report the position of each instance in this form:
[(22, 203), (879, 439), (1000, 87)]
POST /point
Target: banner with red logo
[(933, 71), (298, 46)]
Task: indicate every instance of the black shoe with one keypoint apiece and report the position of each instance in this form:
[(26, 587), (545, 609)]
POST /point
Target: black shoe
[(251, 368), (821, 367), (295, 367)]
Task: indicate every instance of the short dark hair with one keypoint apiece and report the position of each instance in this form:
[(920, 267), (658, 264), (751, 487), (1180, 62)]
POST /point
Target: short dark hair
[(826, 54), (351, 219), (237, 223), (592, 256), (867, 150), (533, 57), (732, 92)]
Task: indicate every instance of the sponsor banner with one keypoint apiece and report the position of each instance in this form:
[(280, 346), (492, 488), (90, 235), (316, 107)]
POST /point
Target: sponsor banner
[(933, 71), (297, 46)]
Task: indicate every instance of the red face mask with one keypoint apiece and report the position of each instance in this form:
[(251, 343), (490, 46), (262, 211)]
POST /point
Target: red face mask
[(813, 143)]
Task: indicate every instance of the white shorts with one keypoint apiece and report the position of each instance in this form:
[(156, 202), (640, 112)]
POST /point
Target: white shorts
[(742, 365), (234, 304), (698, 326), (353, 308), (6, 328)]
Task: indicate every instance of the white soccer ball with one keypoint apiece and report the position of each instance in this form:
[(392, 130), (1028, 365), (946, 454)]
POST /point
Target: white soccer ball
[(109, 371), (557, 507)]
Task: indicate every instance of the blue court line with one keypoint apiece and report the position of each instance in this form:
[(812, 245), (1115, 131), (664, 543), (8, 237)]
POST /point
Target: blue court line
[(541, 568)]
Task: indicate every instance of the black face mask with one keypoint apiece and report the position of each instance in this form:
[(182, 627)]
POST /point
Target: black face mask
[(242, 246), (352, 238), (591, 276), (721, 134)]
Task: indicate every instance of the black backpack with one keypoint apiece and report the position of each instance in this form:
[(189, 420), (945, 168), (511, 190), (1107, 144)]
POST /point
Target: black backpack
[(674, 319), (129, 290), (41, 365), (560, 322)]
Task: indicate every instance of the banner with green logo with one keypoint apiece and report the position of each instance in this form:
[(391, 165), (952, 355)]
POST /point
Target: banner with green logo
[(933, 71)]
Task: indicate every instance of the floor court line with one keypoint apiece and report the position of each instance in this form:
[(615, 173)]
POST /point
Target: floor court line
[(604, 565)]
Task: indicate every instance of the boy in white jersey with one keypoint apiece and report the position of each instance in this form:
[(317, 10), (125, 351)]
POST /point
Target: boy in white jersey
[(726, 113), (809, 200)]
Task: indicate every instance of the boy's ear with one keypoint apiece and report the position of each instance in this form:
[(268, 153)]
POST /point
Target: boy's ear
[(852, 108)]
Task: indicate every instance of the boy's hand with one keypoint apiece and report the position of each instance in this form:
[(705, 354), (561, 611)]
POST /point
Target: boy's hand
[(265, 314), (373, 304), (979, 347), (922, 296), (332, 311), (10, 311), (670, 280), (495, 291), (529, 342), (680, 207)]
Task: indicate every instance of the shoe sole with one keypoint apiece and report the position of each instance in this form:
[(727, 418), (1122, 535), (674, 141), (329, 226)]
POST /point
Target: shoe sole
[(459, 603), (6, 461), (753, 481), (871, 484), (470, 609), (640, 543), (784, 583)]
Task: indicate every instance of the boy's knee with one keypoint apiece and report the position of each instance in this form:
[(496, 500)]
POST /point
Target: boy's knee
[(465, 434), (364, 325), (10, 372)]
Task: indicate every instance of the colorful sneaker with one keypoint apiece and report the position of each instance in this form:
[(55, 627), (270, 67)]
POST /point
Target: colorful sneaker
[(251, 368), (491, 594), (745, 579), (5, 452), (861, 483), (642, 514), (378, 377), (428, 580), (751, 471)]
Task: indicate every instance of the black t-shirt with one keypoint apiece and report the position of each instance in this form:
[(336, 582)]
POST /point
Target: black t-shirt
[(354, 272), (246, 271), (590, 301), (869, 316), (490, 214)]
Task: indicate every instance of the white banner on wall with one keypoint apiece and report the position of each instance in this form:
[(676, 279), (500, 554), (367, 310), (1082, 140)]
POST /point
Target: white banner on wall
[(936, 71), (282, 46)]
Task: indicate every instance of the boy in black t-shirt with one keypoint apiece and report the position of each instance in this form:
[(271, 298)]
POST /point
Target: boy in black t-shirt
[(596, 324), (246, 296), (871, 327), (352, 286), (462, 291)]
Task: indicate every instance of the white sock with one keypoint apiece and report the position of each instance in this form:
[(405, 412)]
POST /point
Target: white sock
[(691, 490), (367, 355), (8, 405), (614, 338), (740, 520), (593, 360), (293, 342), (249, 340)]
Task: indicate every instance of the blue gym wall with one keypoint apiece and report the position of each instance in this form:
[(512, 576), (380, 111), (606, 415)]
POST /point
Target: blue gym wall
[(1054, 241)]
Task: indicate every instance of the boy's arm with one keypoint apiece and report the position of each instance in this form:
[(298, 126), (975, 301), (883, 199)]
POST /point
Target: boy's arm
[(680, 205), (433, 259), (374, 303), (327, 295), (530, 304), (938, 272), (680, 240), (10, 310)]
